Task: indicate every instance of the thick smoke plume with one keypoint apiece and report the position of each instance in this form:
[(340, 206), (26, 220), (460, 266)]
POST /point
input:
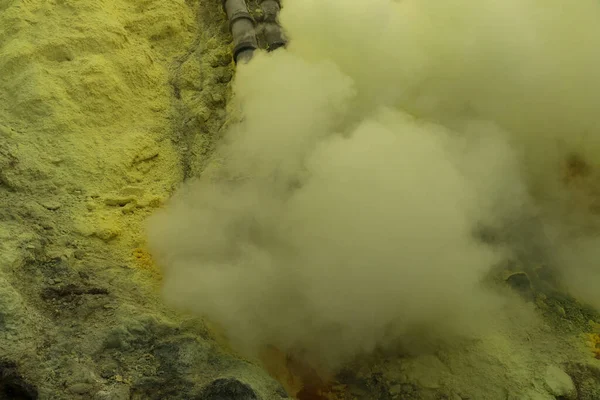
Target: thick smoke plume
[(345, 211)]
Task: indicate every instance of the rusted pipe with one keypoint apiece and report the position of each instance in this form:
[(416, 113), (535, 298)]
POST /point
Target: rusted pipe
[(242, 28), (272, 30)]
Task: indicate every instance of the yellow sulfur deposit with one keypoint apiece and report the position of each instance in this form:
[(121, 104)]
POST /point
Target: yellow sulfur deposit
[(593, 339), (91, 94)]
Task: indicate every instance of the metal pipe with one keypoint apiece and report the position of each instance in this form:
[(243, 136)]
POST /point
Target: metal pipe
[(242, 28), (272, 30)]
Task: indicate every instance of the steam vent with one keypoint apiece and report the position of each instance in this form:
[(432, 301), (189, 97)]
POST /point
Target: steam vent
[(299, 199)]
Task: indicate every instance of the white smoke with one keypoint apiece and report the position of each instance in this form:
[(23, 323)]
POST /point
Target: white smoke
[(370, 151)]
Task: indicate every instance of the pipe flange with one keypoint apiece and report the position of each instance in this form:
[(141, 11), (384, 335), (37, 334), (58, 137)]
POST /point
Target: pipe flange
[(275, 45), (236, 16), (243, 46)]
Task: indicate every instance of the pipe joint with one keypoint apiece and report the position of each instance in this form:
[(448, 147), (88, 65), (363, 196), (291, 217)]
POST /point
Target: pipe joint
[(242, 27), (270, 9), (273, 33), (274, 37), (238, 15), (243, 51)]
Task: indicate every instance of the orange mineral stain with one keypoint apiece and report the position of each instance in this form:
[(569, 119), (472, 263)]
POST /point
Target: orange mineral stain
[(143, 260), (298, 378)]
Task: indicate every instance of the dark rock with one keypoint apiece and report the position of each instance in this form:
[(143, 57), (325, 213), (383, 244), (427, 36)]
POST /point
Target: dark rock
[(227, 389), (586, 379), (520, 283), (12, 385), (281, 392), (155, 388)]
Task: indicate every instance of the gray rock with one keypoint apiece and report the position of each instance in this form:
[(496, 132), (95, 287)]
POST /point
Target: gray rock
[(81, 388), (558, 382)]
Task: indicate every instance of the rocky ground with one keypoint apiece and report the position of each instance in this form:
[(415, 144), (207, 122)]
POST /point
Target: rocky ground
[(105, 108)]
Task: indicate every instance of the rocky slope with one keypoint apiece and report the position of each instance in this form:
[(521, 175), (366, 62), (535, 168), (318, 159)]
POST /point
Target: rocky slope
[(105, 108)]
